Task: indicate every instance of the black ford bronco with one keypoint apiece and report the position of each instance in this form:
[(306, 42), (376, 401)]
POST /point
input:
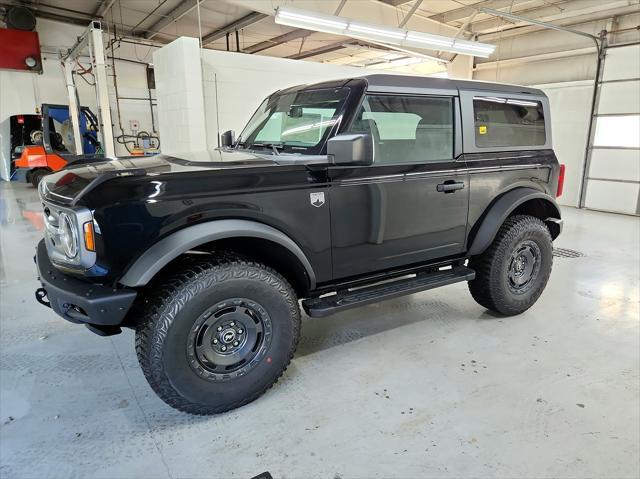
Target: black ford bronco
[(339, 194)]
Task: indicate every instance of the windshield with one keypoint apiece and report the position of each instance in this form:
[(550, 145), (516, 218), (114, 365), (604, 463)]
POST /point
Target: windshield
[(295, 122)]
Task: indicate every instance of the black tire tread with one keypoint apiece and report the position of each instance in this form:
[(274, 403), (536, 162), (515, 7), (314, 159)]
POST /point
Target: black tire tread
[(483, 288), (171, 292), (37, 175)]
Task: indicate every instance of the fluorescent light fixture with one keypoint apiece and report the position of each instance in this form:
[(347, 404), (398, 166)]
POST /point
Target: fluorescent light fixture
[(463, 46), (319, 22), (360, 29), (422, 39), (329, 21)]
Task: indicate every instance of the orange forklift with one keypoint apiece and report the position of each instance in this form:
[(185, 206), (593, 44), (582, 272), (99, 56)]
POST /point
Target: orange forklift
[(45, 142)]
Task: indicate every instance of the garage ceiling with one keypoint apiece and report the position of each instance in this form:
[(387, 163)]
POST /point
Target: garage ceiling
[(164, 20)]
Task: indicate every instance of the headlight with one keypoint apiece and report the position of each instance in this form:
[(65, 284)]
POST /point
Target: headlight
[(68, 236), (64, 232)]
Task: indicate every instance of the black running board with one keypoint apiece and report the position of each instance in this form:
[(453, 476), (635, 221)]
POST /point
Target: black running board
[(324, 306)]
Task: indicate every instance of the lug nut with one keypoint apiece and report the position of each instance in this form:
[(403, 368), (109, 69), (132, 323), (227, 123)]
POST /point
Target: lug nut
[(233, 323), (240, 331), (219, 328), (215, 341), (235, 343), (224, 348)]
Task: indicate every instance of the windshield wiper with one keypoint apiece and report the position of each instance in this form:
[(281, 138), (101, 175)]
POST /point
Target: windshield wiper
[(273, 146)]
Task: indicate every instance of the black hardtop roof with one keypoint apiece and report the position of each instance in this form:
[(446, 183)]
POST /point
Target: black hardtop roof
[(411, 83)]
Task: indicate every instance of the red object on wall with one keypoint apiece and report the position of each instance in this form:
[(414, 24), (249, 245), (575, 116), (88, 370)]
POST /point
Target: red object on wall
[(16, 46)]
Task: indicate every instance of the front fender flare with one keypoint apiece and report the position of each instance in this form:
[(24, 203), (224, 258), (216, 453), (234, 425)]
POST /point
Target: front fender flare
[(499, 211), (172, 246)]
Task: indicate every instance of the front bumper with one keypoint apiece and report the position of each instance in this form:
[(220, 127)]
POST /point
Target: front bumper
[(100, 307)]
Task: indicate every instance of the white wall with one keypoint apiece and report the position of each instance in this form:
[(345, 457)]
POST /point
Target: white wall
[(181, 110), (570, 109), (614, 168), (549, 56), (232, 85), (24, 92), (564, 66), (243, 81)]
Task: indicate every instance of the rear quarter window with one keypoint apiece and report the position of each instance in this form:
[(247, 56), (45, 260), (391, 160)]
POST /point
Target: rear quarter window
[(505, 122)]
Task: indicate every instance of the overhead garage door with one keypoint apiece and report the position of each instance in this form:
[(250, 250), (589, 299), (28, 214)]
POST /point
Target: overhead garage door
[(613, 180)]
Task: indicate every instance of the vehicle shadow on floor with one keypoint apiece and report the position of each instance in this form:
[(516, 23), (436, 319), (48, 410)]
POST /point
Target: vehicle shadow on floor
[(319, 334)]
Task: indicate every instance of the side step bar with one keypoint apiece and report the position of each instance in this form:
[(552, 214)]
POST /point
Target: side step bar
[(320, 307)]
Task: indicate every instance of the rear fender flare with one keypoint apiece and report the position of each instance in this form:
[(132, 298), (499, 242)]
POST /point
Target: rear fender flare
[(500, 210), (179, 242)]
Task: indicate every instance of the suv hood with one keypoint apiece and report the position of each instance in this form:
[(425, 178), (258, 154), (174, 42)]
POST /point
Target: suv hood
[(68, 185)]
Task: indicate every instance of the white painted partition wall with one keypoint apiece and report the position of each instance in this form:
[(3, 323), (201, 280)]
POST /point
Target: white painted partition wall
[(202, 93), (236, 83), (570, 108), (181, 110)]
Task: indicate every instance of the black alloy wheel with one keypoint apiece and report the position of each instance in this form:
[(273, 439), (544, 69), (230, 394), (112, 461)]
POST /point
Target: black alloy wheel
[(229, 339)]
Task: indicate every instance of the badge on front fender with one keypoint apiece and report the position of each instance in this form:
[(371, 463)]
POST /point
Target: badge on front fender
[(317, 199)]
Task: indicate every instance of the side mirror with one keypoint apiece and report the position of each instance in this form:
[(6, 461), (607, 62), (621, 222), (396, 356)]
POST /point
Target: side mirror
[(228, 138), (351, 149)]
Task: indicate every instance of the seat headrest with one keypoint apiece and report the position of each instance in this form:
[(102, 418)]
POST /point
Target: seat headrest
[(366, 125)]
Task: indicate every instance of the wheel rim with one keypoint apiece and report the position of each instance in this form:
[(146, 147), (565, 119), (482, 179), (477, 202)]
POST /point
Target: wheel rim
[(229, 339), (524, 266)]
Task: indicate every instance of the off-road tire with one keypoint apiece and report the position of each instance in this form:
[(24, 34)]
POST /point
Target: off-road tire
[(491, 286), (177, 303)]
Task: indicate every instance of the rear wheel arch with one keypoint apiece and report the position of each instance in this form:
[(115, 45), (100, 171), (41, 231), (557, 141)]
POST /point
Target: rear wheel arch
[(248, 238), (519, 201)]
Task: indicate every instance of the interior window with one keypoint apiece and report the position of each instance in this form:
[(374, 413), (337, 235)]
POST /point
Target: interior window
[(508, 122), (407, 129), (297, 121)]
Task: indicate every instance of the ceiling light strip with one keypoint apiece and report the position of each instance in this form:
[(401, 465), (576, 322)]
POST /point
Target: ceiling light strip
[(295, 17)]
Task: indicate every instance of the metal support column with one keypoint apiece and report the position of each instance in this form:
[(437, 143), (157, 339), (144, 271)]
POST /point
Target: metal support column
[(593, 118), (74, 108), (100, 73), (93, 39)]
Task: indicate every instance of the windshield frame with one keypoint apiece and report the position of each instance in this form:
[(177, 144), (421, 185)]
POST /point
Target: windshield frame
[(320, 147)]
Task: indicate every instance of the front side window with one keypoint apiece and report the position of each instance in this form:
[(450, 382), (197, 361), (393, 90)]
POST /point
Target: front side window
[(407, 129), (295, 122), (500, 122)]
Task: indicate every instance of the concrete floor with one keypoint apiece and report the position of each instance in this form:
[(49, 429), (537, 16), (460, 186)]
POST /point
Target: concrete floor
[(429, 385)]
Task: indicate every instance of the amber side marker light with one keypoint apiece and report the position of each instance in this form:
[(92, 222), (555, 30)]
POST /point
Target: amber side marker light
[(560, 181), (89, 241)]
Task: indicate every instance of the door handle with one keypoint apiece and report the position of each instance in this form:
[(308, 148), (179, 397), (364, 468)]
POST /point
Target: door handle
[(450, 186)]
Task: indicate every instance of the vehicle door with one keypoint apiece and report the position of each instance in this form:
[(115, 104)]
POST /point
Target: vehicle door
[(410, 205)]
